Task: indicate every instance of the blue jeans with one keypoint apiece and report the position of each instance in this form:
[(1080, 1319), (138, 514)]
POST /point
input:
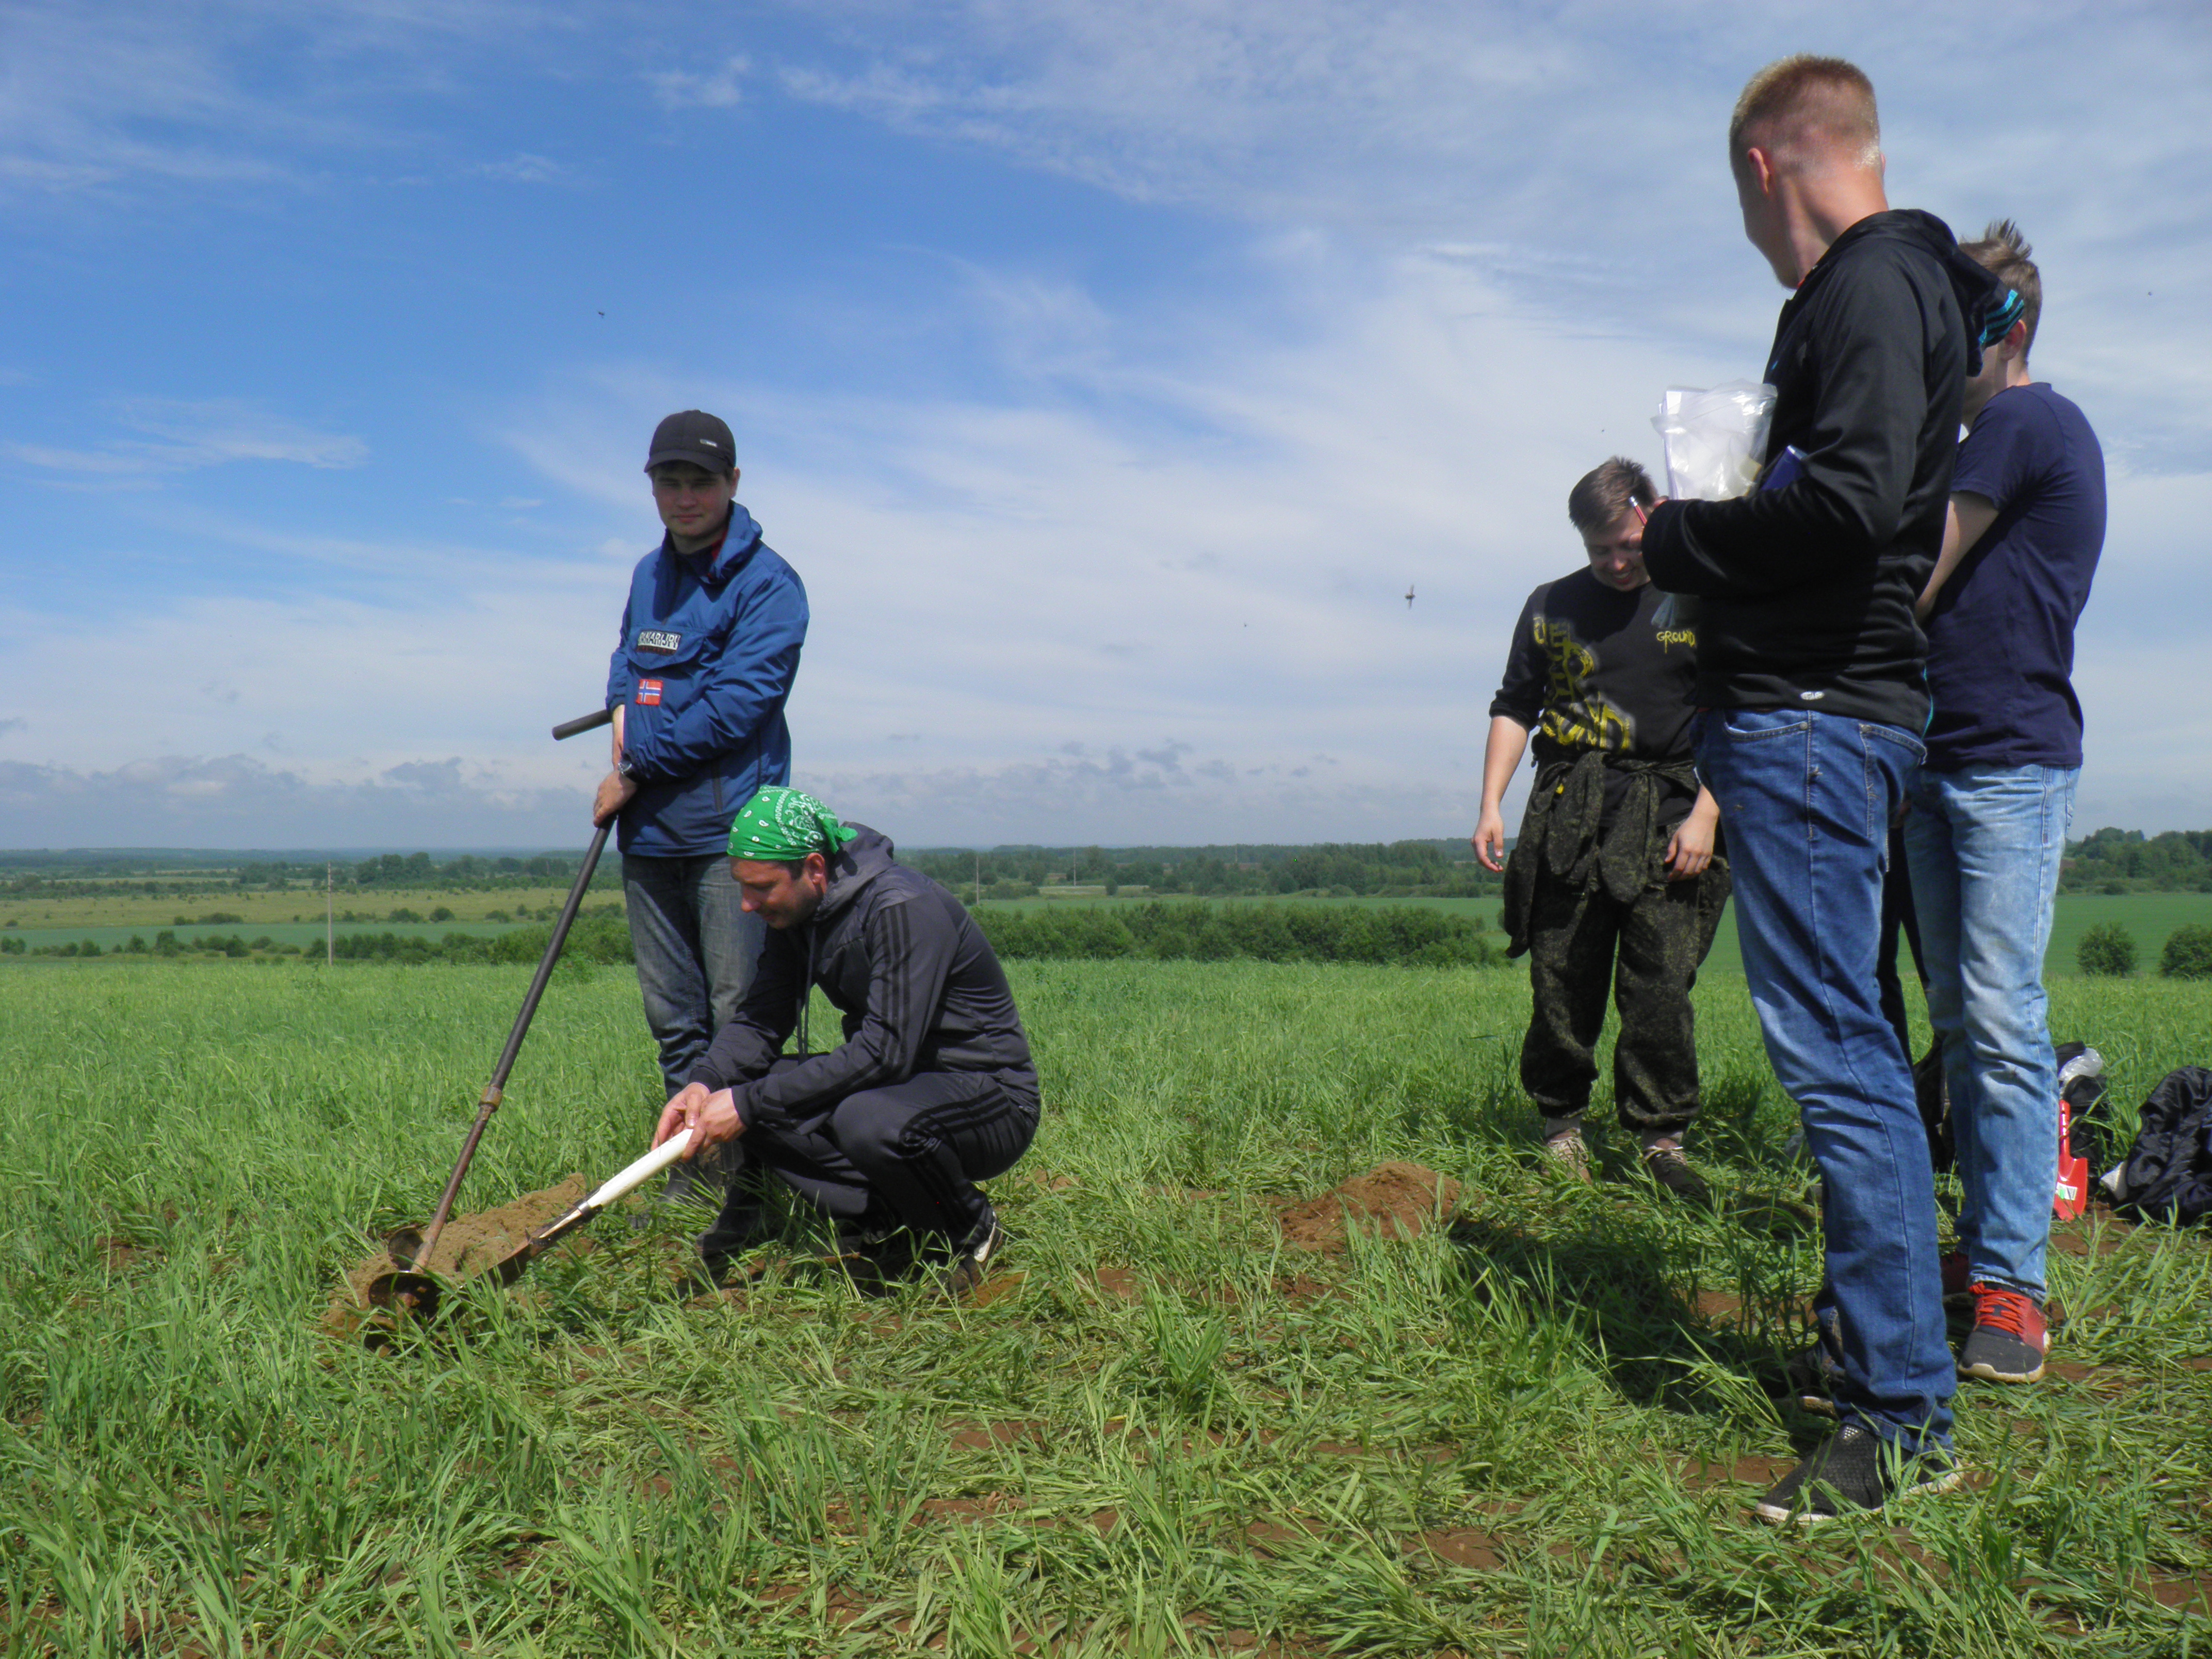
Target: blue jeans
[(695, 949), (1985, 844), (1806, 800)]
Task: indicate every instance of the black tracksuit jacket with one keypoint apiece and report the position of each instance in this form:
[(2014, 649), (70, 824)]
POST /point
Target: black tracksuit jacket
[(1809, 589), (900, 959)]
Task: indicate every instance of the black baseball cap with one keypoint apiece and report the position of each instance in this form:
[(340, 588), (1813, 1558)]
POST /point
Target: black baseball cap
[(695, 437)]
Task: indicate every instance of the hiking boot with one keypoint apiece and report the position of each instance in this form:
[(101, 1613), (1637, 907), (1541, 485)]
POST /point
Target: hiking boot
[(973, 1255), (2009, 1337), (1567, 1155), (1666, 1166), (1853, 1472)]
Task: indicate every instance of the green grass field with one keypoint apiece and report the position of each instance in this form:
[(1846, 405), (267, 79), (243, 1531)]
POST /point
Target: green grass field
[(1533, 1433)]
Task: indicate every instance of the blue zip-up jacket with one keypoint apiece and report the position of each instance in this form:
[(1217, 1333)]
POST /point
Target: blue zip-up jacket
[(704, 665)]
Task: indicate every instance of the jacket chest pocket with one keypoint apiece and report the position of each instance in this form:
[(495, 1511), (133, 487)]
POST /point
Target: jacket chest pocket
[(667, 660)]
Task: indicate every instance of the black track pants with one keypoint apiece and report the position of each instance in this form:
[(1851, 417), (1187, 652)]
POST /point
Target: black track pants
[(909, 1154)]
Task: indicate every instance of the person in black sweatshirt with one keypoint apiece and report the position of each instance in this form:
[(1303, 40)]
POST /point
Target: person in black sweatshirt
[(1810, 668), (933, 1089)]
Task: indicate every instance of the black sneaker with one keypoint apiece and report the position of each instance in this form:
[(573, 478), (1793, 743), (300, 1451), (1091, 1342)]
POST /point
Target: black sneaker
[(1853, 1472), (688, 1184), (973, 1255), (1812, 1376), (1666, 1166), (874, 1254)]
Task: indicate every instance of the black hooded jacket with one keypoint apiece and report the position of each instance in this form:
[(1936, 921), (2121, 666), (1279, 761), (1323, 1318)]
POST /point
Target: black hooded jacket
[(1809, 588), (913, 974)]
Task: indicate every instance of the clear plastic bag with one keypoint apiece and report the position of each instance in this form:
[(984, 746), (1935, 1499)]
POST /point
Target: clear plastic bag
[(1715, 440)]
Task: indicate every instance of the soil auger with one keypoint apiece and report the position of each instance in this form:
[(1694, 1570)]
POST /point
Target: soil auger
[(410, 1247), (419, 1293)]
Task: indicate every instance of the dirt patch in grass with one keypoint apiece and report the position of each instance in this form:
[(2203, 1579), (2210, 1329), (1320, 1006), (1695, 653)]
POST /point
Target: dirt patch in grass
[(2087, 1236), (121, 1255), (1118, 1282), (1459, 1546), (1753, 1470), (2192, 1594), (470, 1244), (983, 1436), (1395, 1200)]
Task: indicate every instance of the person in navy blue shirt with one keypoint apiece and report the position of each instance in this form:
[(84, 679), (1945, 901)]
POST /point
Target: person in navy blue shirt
[(1993, 798), (710, 646)]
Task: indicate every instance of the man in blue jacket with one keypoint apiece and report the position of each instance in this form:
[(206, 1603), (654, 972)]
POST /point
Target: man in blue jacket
[(710, 646)]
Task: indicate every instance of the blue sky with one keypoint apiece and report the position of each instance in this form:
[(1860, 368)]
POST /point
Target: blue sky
[(1109, 372)]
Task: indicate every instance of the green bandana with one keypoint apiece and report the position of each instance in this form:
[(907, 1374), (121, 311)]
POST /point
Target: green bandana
[(778, 825)]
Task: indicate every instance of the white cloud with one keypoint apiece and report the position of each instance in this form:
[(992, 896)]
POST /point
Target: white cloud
[(721, 88), (183, 437), (1577, 153), (524, 168)]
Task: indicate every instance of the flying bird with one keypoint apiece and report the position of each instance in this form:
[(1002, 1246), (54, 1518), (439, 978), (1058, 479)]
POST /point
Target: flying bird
[(1409, 596)]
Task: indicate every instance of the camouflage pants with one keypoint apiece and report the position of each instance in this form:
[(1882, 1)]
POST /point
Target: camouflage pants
[(1580, 941)]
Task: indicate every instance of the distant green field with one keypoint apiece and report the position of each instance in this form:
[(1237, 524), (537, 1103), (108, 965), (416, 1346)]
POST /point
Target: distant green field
[(2149, 916)]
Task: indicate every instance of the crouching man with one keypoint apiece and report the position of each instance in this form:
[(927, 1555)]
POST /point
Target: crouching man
[(933, 1089)]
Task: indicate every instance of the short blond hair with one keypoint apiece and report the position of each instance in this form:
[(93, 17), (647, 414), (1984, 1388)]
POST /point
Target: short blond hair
[(1804, 110)]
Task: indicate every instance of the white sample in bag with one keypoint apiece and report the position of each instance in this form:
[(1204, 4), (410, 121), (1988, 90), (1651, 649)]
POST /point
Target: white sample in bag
[(1715, 440)]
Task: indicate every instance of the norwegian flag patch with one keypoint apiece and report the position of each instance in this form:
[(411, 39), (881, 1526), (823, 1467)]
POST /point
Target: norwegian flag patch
[(649, 694)]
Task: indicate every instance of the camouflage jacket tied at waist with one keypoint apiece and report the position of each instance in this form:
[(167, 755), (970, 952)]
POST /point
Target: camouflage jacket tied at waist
[(1559, 832)]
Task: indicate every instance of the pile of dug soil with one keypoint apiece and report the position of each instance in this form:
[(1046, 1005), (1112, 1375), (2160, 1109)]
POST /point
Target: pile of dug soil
[(470, 1244), (1395, 1200)]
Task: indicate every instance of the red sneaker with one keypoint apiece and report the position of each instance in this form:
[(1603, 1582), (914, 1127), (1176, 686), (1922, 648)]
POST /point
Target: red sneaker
[(2009, 1337)]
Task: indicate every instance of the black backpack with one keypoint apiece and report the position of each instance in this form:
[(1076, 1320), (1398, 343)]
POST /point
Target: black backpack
[(2168, 1174)]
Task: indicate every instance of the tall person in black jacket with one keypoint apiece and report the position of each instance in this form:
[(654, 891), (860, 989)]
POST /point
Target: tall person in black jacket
[(1811, 673), (933, 1089)]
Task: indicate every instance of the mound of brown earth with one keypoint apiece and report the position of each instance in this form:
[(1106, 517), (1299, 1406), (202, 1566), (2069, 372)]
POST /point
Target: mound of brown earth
[(470, 1244), (1397, 1200)]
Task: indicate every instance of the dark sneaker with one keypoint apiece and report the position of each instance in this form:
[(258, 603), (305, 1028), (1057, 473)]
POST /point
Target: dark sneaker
[(688, 1184), (972, 1257), (1853, 1472), (2009, 1337), (1666, 1166), (1812, 1376), (875, 1256), (740, 1226)]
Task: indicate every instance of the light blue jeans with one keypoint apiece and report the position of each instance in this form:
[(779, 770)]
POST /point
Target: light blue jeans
[(1985, 844), (695, 949), (1806, 800)]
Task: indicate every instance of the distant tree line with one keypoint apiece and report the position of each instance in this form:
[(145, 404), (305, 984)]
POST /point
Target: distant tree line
[(1221, 932), (468, 872), (2128, 861), (1401, 869)]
